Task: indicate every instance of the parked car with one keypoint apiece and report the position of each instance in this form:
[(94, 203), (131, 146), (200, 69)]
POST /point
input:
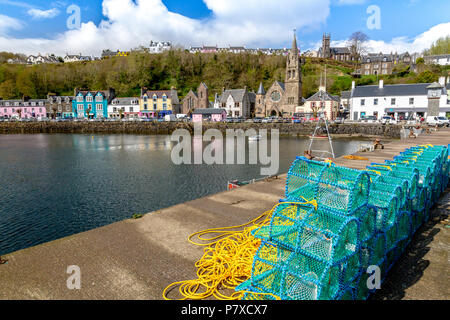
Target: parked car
[(385, 120), (433, 121), (339, 120), (369, 119), (170, 118), (266, 120), (257, 120), (229, 119), (445, 121)]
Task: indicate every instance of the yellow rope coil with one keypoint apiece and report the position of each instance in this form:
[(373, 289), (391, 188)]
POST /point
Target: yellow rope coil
[(352, 157), (227, 260), (381, 166)]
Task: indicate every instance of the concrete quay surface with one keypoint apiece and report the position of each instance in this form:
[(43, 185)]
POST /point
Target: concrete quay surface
[(137, 259)]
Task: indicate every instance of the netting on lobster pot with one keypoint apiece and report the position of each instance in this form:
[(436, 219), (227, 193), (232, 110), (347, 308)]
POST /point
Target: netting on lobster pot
[(284, 224), (391, 189), (266, 272), (343, 189), (394, 182), (367, 215), (418, 203), (323, 234), (303, 178), (386, 208), (424, 168), (379, 248), (348, 293), (306, 278), (391, 237), (404, 226), (411, 176)]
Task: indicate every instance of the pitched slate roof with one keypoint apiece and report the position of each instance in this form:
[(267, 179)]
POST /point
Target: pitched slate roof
[(346, 94), (237, 94), (209, 111), (158, 93), (326, 97), (125, 101), (281, 85), (391, 90)]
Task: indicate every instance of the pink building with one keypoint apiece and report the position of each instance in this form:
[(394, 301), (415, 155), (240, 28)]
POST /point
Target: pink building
[(22, 109), (210, 114), (320, 102)]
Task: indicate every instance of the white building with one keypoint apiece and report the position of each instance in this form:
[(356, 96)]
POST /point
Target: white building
[(159, 47), (42, 59), (442, 59), (402, 101), (76, 58), (236, 102), (129, 107)]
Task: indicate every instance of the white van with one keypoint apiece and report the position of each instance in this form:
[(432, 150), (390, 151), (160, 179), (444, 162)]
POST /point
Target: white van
[(170, 117), (433, 121)]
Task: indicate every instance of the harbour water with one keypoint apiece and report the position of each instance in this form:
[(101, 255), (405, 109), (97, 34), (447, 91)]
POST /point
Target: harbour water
[(52, 186)]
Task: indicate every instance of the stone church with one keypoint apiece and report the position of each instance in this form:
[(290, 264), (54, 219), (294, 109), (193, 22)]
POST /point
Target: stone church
[(282, 98)]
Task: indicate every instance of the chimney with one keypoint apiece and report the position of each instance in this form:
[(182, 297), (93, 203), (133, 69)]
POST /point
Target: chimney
[(442, 81), (353, 85), (381, 85)]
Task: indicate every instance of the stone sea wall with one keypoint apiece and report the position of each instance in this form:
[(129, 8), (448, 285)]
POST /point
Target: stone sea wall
[(162, 128)]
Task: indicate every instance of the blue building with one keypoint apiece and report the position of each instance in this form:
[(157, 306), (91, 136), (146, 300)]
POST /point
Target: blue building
[(92, 104)]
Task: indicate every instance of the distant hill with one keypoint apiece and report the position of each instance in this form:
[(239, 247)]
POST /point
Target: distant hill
[(184, 71)]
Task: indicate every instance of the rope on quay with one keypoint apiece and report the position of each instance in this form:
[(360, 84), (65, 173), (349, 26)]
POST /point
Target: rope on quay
[(227, 260)]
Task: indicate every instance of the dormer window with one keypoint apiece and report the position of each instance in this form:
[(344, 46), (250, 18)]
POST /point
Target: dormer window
[(89, 98), (155, 97), (145, 98), (164, 98), (99, 98), (80, 98)]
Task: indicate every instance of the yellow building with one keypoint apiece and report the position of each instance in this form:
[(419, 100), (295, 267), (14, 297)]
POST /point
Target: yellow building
[(158, 103)]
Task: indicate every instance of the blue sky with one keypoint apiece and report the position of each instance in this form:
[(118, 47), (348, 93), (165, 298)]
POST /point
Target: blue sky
[(229, 21)]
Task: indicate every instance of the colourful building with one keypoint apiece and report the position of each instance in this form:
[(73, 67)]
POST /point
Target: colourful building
[(210, 114), (22, 109), (92, 104), (158, 103)]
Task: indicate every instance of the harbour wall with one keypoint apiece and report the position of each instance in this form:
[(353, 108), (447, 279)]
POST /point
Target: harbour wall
[(163, 128)]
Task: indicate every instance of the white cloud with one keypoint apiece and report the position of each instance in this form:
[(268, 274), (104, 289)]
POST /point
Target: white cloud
[(402, 44), (43, 14), (233, 22), (7, 23)]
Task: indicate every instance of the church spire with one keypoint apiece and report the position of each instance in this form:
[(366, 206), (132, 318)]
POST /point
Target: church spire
[(294, 43)]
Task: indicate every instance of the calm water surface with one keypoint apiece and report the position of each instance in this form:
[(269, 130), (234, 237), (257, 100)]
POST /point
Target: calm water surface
[(52, 186)]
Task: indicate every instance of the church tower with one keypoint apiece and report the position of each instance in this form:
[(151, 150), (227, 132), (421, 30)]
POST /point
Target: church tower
[(293, 83), (326, 46)]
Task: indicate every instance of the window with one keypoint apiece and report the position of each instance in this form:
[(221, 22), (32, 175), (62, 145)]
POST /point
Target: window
[(99, 107), (375, 102), (99, 98), (236, 104), (40, 109), (164, 106), (155, 98), (33, 103), (114, 109), (375, 66), (411, 101), (384, 65), (131, 109), (367, 66), (164, 98), (363, 102), (155, 106), (392, 101), (16, 104), (80, 98), (145, 107), (41, 103), (145, 98), (89, 99)]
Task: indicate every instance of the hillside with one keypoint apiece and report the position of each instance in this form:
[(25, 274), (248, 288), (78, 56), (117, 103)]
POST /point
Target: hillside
[(184, 71)]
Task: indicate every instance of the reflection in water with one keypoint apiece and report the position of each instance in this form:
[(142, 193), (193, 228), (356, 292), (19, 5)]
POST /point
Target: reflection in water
[(53, 186)]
